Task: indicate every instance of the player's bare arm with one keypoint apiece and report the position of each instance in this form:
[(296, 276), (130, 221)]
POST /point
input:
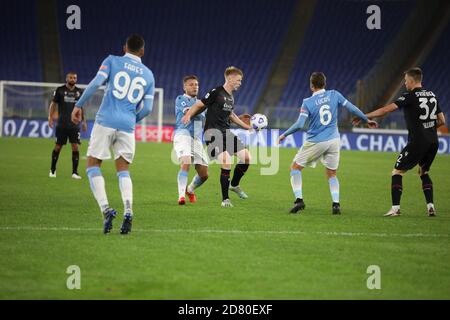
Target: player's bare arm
[(440, 119), (372, 124), (196, 108), (84, 122), (234, 118), (245, 117), (380, 112), (51, 113), (198, 111), (76, 115)]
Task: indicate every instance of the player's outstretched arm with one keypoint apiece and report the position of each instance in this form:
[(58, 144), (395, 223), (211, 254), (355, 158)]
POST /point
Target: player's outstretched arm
[(198, 111), (360, 116), (90, 90), (195, 109), (381, 112), (298, 125), (234, 118), (370, 123), (356, 111)]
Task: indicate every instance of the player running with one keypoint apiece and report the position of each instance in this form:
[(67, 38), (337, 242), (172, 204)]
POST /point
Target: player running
[(222, 143), (129, 84), (187, 142), (323, 140), (423, 116), (64, 99)]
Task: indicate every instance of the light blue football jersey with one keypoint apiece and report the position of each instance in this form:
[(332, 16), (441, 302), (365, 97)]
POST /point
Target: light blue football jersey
[(322, 112), (194, 127), (128, 83)]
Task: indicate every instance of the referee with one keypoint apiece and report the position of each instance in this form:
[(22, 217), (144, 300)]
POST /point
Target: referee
[(63, 101), (222, 143)]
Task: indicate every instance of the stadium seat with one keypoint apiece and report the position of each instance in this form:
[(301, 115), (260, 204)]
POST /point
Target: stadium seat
[(338, 43), (205, 40)]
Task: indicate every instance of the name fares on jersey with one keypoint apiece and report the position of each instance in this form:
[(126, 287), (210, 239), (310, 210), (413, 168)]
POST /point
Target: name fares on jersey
[(133, 68)]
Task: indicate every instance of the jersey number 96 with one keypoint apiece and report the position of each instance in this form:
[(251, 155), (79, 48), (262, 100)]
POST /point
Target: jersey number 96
[(129, 87)]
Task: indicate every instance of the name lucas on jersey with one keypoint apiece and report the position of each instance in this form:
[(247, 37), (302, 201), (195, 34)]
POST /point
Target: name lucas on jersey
[(133, 68), (322, 101)]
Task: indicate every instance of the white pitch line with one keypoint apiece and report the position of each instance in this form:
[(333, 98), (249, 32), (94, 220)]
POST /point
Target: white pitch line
[(268, 232)]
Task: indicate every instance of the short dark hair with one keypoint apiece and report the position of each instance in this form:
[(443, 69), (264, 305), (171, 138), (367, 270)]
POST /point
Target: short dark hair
[(71, 72), (318, 80), (190, 77), (135, 42), (415, 73)]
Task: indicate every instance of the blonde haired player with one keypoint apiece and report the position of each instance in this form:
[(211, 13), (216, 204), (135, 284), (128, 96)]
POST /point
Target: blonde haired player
[(222, 143)]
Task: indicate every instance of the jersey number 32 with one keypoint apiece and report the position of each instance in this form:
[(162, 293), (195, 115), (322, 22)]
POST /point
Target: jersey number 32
[(424, 105), (132, 89)]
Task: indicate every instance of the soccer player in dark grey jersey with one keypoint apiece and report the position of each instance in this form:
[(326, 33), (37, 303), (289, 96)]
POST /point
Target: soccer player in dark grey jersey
[(423, 116), (222, 143), (63, 101)]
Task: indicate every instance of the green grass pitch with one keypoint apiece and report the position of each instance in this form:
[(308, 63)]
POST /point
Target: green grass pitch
[(255, 250)]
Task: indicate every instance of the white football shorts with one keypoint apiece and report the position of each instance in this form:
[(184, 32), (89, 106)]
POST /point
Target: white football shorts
[(103, 139), (326, 151), (185, 145)]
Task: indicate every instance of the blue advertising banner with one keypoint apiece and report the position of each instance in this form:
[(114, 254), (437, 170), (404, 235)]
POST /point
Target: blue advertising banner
[(34, 128), (383, 142)]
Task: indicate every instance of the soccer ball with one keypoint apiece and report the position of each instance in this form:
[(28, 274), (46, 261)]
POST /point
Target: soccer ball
[(258, 121)]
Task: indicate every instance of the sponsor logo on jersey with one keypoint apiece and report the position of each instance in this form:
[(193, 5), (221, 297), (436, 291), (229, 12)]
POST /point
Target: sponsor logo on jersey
[(227, 107)]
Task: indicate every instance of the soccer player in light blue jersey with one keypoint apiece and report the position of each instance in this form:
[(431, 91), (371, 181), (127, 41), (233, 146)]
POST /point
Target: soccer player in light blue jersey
[(187, 142), (128, 99), (323, 139)]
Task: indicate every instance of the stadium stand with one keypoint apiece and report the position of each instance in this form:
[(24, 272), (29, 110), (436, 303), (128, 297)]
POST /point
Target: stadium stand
[(19, 55), (183, 37), (437, 70), (342, 47)]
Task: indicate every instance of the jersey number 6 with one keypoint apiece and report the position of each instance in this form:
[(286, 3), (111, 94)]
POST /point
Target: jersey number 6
[(128, 87), (325, 114)]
